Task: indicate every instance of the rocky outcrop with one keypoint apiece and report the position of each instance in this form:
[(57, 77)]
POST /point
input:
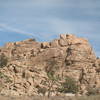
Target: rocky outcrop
[(29, 63)]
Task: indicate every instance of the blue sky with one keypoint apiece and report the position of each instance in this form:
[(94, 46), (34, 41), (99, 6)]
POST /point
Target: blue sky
[(46, 19)]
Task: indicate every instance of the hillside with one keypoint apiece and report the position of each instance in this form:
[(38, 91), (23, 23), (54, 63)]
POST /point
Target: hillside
[(65, 65)]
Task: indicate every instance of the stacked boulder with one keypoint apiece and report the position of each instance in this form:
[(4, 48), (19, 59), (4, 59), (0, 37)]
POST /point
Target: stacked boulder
[(29, 63)]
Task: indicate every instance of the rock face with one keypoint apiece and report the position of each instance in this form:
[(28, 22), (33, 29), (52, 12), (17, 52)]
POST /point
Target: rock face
[(29, 63)]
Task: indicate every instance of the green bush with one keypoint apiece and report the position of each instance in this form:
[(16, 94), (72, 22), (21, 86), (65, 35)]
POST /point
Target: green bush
[(3, 60), (69, 86)]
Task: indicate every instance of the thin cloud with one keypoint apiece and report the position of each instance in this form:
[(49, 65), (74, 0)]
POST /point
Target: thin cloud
[(11, 29)]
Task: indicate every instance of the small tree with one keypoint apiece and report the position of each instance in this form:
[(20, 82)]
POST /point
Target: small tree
[(52, 80), (52, 67), (3, 60), (69, 86)]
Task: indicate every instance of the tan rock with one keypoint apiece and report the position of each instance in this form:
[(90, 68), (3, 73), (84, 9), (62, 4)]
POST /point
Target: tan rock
[(54, 43), (63, 42), (10, 45), (45, 45), (63, 36), (30, 80), (9, 93), (29, 61)]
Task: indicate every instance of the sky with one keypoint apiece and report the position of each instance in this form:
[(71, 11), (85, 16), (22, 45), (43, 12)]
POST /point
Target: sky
[(46, 19)]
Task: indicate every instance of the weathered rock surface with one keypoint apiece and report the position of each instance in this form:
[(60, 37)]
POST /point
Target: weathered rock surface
[(30, 61)]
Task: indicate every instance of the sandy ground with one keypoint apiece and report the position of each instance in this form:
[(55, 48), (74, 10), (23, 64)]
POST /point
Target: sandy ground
[(51, 98)]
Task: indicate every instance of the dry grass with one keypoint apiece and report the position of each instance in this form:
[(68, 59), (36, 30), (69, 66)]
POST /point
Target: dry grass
[(97, 97)]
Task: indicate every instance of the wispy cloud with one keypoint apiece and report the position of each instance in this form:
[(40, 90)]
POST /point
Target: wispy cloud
[(12, 29), (45, 19)]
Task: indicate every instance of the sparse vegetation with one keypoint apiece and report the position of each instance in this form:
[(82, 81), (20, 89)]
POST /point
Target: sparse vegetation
[(52, 77), (69, 86), (5, 78), (93, 91), (52, 80), (42, 90), (3, 60)]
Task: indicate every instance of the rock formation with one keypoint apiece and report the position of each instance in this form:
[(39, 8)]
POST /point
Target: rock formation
[(29, 63)]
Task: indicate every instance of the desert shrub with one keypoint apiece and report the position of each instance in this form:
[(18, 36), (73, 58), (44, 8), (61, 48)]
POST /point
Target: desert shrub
[(69, 86), (42, 90), (92, 91), (5, 78), (3, 60), (52, 76), (51, 69), (52, 79)]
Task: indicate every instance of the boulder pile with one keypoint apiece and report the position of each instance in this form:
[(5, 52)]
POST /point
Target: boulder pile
[(30, 64)]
